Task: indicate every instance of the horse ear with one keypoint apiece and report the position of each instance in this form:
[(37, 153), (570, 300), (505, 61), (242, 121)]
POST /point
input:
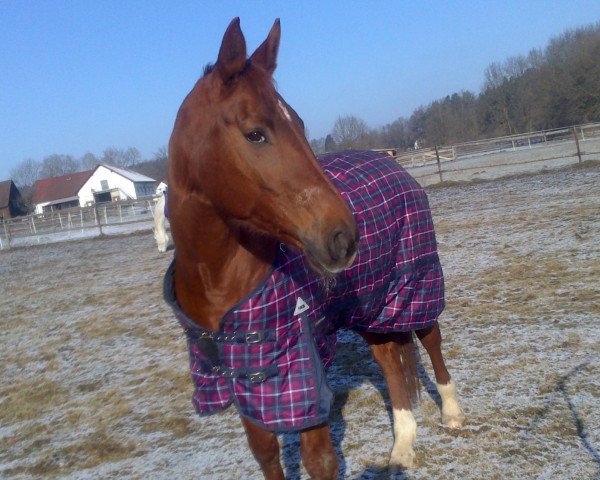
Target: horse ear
[(232, 55), (266, 54)]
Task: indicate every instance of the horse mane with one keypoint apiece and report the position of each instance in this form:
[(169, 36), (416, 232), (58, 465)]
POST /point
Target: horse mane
[(209, 67)]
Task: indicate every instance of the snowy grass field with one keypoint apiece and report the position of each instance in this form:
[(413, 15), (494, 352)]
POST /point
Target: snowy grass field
[(95, 380)]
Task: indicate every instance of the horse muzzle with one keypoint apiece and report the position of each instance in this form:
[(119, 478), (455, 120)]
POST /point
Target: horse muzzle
[(335, 252)]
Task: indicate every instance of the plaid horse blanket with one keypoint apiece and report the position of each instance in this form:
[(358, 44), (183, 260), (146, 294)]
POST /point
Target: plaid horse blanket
[(273, 348)]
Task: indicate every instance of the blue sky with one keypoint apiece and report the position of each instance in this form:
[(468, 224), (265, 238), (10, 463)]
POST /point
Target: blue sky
[(81, 76)]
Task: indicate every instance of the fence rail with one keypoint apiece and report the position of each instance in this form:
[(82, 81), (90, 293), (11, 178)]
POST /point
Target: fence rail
[(496, 156), (78, 222)]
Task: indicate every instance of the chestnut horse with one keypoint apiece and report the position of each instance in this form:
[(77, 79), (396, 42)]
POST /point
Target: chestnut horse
[(244, 189)]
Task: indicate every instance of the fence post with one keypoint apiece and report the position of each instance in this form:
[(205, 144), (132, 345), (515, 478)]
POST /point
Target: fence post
[(6, 233), (97, 218), (437, 156), (577, 144), (34, 229)]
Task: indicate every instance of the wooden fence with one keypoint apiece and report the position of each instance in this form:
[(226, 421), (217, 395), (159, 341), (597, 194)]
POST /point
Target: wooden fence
[(78, 222), (516, 152)]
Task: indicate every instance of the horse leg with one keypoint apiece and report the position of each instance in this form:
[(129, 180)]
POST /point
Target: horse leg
[(452, 415), (395, 355), (160, 231), (265, 448), (318, 455)]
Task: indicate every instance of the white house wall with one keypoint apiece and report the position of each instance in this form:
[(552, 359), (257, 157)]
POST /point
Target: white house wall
[(126, 187), (39, 207)]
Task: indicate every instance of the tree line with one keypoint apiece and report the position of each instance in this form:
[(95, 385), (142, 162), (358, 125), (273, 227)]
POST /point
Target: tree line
[(26, 173), (548, 88)]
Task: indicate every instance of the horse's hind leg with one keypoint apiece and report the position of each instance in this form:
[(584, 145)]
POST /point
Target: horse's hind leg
[(318, 455), (265, 448), (395, 355), (452, 415)]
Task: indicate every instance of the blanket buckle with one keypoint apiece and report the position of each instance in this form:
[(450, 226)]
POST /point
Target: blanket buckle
[(257, 377), (254, 337)]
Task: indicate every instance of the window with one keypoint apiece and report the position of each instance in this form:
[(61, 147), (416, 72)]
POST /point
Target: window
[(104, 184)]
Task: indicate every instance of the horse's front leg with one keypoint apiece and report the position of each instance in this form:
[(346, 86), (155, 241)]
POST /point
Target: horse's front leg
[(318, 455), (452, 414), (265, 447), (395, 355)]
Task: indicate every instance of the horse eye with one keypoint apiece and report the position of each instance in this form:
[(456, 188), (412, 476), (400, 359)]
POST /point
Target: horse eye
[(256, 136)]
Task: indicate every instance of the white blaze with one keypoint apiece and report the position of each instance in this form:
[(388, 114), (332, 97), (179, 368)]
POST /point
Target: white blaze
[(284, 111)]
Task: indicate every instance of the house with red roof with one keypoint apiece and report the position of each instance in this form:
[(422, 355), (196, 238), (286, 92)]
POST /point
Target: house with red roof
[(57, 193), (103, 184)]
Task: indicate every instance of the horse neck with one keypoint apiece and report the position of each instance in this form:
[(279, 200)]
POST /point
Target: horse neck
[(217, 265)]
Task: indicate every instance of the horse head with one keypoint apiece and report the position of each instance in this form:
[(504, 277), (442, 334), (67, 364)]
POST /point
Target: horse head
[(241, 149)]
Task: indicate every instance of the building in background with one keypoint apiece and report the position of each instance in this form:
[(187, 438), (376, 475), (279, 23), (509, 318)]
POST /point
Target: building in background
[(103, 184), (11, 204)]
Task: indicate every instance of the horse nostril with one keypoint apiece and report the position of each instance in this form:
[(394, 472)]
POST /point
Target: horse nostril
[(342, 245)]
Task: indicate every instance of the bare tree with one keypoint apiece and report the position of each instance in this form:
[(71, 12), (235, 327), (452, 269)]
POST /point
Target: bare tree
[(26, 173), (329, 144), (89, 161), (111, 156), (161, 155), (132, 156), (121, 157), (350, 132), (317, 145), (57, 165)]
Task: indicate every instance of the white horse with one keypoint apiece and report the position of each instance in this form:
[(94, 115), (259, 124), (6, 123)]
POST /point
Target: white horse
[(160, 230)]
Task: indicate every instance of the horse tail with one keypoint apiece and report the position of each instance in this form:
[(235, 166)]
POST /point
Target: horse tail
[(160, 231), (410, 371)]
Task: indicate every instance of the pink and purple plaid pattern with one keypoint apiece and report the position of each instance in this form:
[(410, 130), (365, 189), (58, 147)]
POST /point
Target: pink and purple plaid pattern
[(270, 356)]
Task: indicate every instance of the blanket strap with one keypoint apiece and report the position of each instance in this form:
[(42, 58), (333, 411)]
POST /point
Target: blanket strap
[(207, 341), (256, 336), (254, 375)]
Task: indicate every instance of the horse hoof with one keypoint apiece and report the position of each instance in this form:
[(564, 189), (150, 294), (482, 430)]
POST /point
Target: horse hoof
[(453, 422), (402, 459)]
